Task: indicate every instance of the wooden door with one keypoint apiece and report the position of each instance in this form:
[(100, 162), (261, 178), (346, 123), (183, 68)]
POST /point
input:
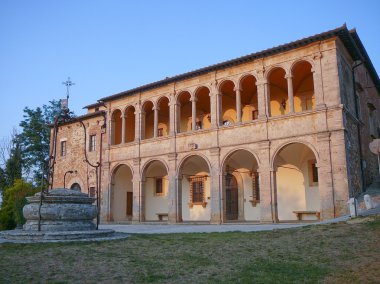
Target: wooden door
[(129, 203), (232, 202)]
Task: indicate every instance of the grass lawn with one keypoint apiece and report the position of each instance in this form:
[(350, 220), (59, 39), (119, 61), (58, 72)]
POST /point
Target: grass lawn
[(335, 253)]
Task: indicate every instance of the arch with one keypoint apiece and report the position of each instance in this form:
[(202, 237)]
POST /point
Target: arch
[(243, 76), (117, 166), (203, 107), (283, 145), (130, 123), (155, 190), (76, 186), (249, 99), (278, 91), (243, 165), (271, 68), (184, 111), (296, 182), (228, 114), (223, 81), (163, 117), (149, 162), (194, 189), (158, 101), (229, 153), (303, 85), (299, 60), (147, 119), (184, 159), (116, 127), (121, 193)]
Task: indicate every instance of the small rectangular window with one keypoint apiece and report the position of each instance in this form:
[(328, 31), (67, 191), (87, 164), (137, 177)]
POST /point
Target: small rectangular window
[(92, 145), (313, 173), (197, 190), (63, 148), (159, 187), (92, 192)]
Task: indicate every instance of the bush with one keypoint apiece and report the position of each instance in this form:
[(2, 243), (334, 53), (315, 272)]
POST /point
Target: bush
[(13, 202)]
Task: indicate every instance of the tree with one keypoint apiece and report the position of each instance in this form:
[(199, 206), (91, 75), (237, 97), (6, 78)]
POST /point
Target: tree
[(35, 138), (13, 202)]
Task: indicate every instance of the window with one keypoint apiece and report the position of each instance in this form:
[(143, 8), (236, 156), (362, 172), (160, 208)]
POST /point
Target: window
[(92, 191), (92, 145), (159, 187), (313, 173), (63, 148), (372, 120), (197, 191), (255, 189), (160, 132)]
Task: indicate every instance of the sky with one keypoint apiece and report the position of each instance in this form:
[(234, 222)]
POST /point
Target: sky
[(107, 47)]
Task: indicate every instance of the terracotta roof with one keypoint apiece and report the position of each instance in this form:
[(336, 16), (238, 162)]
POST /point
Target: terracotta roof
[(349, 38)]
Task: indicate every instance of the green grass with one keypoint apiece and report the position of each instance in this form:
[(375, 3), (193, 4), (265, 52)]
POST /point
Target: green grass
[(336, 253)]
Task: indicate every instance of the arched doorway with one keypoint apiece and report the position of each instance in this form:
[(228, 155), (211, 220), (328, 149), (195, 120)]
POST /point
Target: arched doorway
[(121, 194), (194, 190), (241, 192), (75, 186), (296, 182), (155, 188)]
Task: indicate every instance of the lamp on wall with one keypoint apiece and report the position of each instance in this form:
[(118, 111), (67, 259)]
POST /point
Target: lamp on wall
[(64, 177)]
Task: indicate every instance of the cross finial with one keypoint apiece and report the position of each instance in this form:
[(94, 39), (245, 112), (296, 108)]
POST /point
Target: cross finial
[(68, 84)]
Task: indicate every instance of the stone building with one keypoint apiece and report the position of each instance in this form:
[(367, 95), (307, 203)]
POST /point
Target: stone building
[(273, 136)]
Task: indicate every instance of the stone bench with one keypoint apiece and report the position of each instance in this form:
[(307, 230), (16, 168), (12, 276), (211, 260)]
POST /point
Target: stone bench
[(300, 214), (161, 215)]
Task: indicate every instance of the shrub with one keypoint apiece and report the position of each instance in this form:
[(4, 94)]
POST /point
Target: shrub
[(13, 202)]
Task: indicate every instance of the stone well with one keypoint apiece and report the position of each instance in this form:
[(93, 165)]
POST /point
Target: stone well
[(61, 210)]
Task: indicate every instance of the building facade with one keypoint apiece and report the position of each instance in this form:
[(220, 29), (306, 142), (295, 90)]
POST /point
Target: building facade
[(273, 136)]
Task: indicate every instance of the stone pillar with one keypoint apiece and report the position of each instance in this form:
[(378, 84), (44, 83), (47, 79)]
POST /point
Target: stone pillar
[(317, 80), (155, 124), (214, 107), (325, 179), (173, 199), (172, 116), (265, 183), (137, 123), (215, 188), (112, 132), (238, 105), (136, 216), (142, 125), (123, 117), (193, 113), (289, 78), (262, 99)]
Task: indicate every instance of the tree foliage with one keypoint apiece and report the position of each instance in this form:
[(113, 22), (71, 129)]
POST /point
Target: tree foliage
[(13, 202)]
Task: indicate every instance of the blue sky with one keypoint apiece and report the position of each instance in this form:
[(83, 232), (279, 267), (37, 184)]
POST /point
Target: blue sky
[(111, 46)]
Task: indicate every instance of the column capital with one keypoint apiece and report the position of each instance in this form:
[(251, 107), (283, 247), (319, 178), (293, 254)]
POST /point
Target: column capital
[(172, 156), (236, 89), (136, 161), (156, 108), (193, 99), (261, 82), (288, 76)]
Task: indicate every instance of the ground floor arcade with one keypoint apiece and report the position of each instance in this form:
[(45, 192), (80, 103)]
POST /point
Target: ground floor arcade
[(226, 185)]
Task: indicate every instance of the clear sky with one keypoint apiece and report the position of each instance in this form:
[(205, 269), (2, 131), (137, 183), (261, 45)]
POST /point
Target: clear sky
[(111, 46)]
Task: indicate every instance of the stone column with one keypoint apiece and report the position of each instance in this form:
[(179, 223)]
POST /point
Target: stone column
[(238, 104), (136, 213), (214, 106), (137, 123), (112, 132), (325, 178), (265, 183), (155, 124), (142, 125), (262, 99), (317, 80), (173, 199), (289, 78), (215, 189), (193, 113), (123, 117), (172, 116)]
